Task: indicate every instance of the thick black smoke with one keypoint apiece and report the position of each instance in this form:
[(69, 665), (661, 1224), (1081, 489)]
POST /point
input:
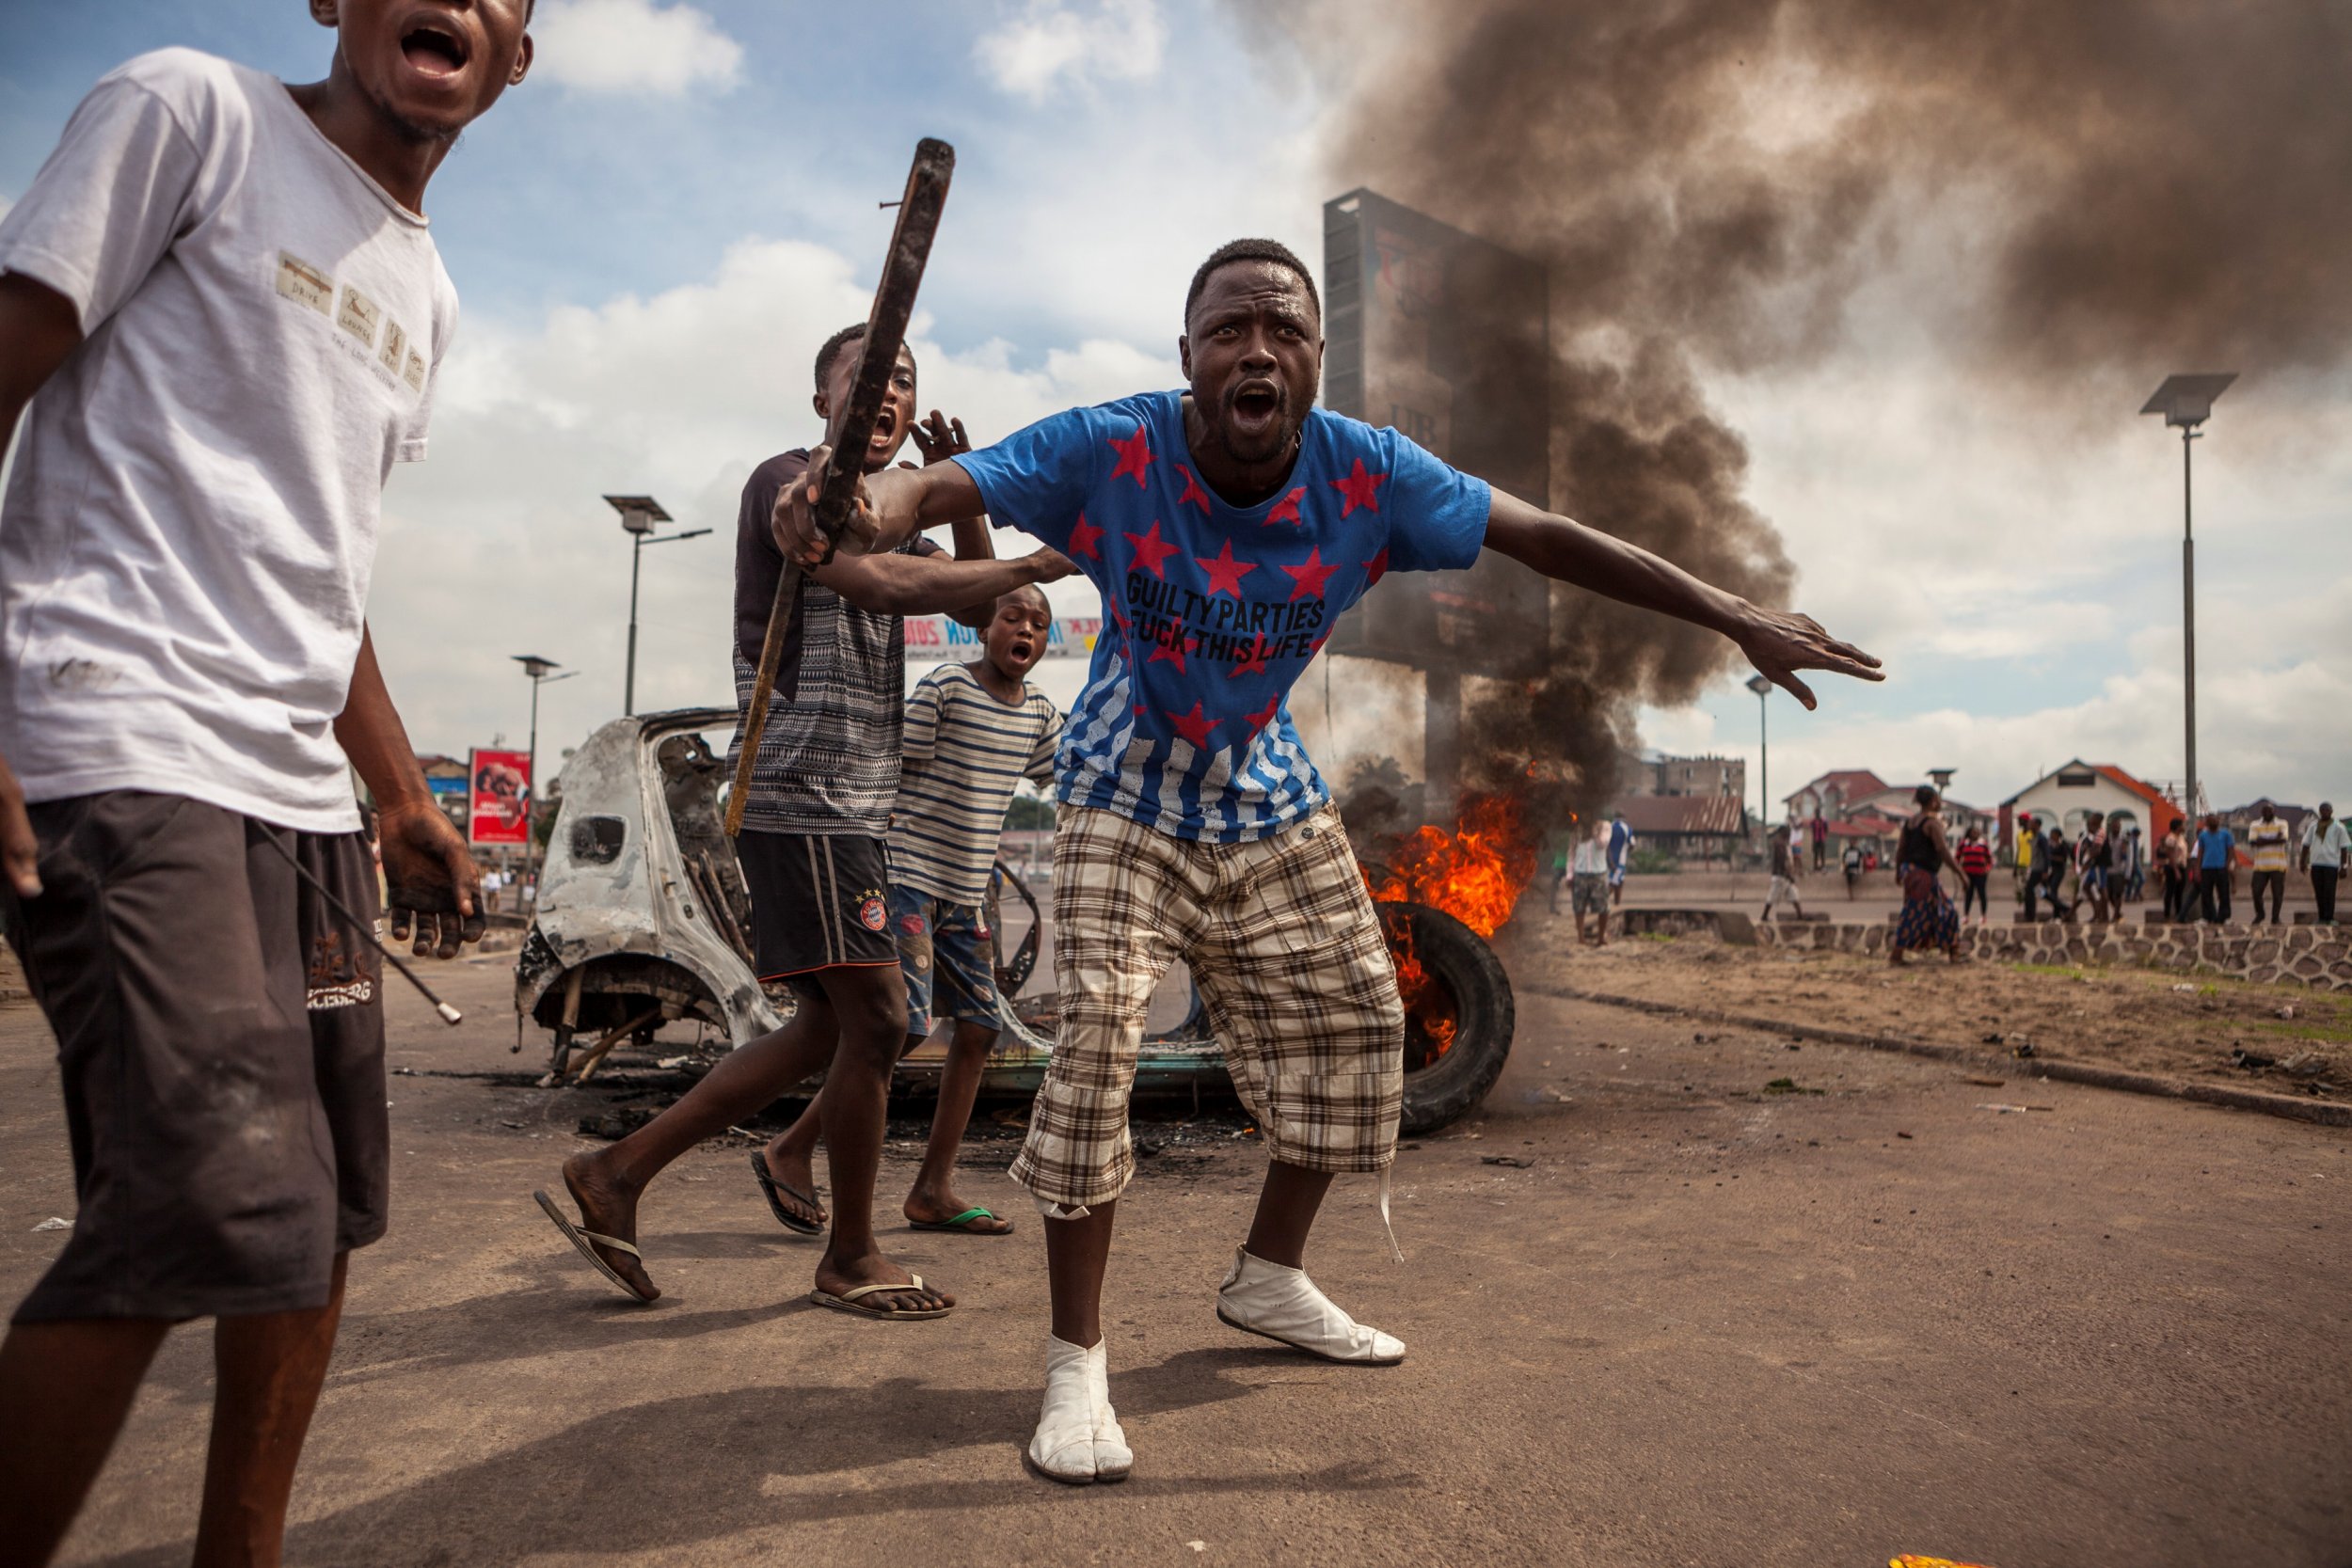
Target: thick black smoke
[(2084, 195)]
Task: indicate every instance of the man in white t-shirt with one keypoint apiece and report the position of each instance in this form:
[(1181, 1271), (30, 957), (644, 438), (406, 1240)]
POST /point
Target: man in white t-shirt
[(224, 311)]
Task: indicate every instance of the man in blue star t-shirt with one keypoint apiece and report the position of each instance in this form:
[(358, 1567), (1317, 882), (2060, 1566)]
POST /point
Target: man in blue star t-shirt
[(1227, 526)]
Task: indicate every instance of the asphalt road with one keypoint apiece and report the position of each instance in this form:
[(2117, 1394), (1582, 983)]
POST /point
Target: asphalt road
[(1706, 1326)]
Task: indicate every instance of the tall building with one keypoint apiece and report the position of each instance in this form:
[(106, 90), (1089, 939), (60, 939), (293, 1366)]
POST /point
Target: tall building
[(1446, 337)]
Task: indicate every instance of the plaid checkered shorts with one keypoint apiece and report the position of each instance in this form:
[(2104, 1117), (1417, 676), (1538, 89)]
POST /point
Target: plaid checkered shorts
[(1284, 945)]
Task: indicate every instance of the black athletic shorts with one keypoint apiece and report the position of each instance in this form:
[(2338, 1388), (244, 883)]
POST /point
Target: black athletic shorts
[(818, 901), (220, 1039)]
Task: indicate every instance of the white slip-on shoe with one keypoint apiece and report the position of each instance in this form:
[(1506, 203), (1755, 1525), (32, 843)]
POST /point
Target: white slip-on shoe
[(1062, 1448), (1113, 1458), (1281, 1304)]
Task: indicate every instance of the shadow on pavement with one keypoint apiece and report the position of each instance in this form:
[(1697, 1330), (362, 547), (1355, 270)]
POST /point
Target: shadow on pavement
[(667, 1474)]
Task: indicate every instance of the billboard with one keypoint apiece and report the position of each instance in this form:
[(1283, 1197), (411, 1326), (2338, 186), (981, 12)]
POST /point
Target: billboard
[(1446, 338), (937, 639), (499, 811)]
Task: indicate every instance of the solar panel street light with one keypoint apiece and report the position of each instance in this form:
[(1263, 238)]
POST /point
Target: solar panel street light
[(640, 516), (2185, 402)]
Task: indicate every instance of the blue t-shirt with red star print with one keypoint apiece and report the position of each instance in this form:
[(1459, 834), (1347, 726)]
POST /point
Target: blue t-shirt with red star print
[(1212, 612)]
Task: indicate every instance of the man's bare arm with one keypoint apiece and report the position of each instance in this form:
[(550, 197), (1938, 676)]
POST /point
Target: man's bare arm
[(1778, 643), (38, 327), (900, 504), (430, 873), (933, 585)]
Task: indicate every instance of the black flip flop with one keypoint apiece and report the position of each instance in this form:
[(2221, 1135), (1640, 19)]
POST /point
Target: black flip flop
[(770, 1187)]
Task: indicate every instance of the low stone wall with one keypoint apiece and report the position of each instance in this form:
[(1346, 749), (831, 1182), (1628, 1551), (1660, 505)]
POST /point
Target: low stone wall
[(2315, 956)]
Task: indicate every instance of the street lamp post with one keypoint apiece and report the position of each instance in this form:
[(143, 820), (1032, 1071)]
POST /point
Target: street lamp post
[(538, 670), (2185, 400), (640, 516), (1763, 690)]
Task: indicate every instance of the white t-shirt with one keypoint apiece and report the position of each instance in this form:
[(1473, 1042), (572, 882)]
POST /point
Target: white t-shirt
[(2327, 849), (191, 521)]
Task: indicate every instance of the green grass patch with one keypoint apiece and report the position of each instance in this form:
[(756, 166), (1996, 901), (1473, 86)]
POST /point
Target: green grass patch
[(1789, 1085)]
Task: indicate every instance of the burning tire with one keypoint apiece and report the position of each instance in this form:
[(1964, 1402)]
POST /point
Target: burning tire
[(1459, 1013)]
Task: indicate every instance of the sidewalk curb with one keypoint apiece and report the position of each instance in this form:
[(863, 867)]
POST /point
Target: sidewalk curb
[(2326, 1112)]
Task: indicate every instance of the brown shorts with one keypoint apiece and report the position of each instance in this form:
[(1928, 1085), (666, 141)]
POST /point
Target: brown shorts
[(220, 1037)]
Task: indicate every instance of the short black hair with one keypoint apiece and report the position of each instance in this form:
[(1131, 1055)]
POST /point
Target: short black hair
[(854, 333), (1925, 795), (1230, 251)]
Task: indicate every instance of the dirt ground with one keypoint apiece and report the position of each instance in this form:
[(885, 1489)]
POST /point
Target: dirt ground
[(2283, 1040), (1687, 1322)]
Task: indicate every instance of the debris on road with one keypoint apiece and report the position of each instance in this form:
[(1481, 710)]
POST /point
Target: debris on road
[(1986, 1082), (1517, 1161), (53, 1223), (2013, 1110), (1789, 1085)]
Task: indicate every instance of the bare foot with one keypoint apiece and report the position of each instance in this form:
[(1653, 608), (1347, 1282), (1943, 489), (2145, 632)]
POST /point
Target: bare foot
[(609, 1209), (836, 1275), (931, 1206), (788, 1167)]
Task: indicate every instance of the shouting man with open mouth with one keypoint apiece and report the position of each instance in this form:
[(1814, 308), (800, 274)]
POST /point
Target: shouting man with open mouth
[(1227, 526)]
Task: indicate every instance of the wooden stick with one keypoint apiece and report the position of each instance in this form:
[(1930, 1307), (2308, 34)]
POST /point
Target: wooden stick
[(836, 503)]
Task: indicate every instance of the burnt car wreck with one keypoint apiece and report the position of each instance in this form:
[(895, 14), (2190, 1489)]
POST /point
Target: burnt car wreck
[(643, 919)]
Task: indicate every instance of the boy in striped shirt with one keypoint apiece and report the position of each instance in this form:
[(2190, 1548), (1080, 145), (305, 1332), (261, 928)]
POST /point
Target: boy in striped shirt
[(973, 732)]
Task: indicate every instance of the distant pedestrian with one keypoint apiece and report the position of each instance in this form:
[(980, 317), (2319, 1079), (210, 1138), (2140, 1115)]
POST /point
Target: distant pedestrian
[(2051, 860), (1588, 893), (2094, 867), (1620, 852), (1975, 858), (1819, 825), (1927, 919), (1853, 859), (2216, 846), (2267, 842), (2134, 865), (2173, 858), (2023, 855), (2325, 842), (1786, 862)]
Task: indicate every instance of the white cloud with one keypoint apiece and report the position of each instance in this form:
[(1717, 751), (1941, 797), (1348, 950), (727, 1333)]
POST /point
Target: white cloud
[(500, 544), (633, 46), (1047, 41)]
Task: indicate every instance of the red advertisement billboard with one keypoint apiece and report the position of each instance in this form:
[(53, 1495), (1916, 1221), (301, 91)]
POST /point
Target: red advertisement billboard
[(498, 810)]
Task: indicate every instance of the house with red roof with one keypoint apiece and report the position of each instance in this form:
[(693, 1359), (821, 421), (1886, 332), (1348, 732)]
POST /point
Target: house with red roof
[(2070, 795)]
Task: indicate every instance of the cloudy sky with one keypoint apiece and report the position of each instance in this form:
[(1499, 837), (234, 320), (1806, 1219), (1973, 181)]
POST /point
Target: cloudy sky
[(653, 234)]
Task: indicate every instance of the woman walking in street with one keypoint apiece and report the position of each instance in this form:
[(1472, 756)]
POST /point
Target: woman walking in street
[(1929, 919)]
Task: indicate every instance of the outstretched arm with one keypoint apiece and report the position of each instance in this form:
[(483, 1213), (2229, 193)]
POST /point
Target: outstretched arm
[(1778, 643), (431, 875), (900, 504), (38, 327), (934, 584)]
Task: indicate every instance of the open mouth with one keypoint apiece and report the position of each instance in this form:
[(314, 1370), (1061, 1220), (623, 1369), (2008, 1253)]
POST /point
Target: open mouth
[(885, 428), (435, 51), (1256, 402), (1021, 651)]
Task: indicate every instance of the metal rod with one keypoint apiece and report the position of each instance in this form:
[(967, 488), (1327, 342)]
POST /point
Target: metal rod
[(450, 1015), (885, 333), (2188, 627), (629, 682)]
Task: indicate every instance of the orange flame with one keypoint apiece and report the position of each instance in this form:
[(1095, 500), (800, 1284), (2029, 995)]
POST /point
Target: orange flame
[(1475, 874)]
